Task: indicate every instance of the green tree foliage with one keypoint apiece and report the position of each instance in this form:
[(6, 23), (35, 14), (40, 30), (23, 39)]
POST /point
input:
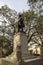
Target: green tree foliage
[(7, 29), (37, 7)]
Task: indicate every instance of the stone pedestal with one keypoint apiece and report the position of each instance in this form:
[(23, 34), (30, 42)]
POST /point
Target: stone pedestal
[(20, 40)]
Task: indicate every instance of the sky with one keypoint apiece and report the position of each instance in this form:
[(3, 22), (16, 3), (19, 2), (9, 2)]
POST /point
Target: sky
[(18, 5)]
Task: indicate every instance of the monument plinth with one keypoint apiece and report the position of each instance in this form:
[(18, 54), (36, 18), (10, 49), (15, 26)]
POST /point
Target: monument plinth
[(20, 40)]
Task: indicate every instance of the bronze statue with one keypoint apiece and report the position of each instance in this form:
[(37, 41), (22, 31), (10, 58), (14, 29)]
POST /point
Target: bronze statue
[(20, 23)]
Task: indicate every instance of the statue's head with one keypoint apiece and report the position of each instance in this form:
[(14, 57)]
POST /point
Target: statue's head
[(20, 15)]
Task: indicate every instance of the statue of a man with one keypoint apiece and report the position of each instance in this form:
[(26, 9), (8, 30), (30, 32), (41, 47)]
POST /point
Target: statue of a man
[(20, 23)]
